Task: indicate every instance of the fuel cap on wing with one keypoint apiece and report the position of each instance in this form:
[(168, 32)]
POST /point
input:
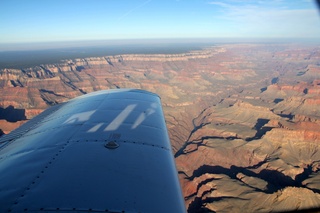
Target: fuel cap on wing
[(111, 145)]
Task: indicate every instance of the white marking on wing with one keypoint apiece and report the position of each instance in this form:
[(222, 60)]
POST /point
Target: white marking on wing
[(120, 118), (96, 127)]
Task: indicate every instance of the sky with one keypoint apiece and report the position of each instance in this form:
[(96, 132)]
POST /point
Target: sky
[(24, 21)]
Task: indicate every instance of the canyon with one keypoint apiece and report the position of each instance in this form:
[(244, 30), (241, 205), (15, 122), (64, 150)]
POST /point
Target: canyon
[(243, 119)]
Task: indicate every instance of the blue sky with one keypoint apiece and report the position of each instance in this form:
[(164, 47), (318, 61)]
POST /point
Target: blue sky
[(76, 20)]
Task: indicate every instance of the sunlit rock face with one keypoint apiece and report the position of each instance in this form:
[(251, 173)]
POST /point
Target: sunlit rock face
[(243, 119)]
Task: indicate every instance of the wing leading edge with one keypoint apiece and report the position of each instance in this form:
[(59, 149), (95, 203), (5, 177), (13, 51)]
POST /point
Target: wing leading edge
[(105, 151)]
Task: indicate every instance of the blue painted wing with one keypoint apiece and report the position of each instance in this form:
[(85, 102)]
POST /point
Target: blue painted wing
[(105, 151)]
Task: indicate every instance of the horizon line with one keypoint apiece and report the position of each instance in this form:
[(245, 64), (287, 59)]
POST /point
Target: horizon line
[(42, 45)]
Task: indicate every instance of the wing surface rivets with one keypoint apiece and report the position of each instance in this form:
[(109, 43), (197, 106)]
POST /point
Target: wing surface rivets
[(111, 145)]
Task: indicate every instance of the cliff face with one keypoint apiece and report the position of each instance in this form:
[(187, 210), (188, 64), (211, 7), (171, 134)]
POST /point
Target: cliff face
[(243, 120)]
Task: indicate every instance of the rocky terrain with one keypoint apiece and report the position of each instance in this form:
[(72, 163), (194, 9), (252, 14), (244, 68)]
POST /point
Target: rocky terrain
[(243, 119)]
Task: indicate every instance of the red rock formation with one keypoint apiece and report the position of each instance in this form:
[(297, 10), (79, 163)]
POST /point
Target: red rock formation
[(243, 119)]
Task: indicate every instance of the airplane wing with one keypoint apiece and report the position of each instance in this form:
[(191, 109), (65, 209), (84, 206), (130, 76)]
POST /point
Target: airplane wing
[(107, 151)]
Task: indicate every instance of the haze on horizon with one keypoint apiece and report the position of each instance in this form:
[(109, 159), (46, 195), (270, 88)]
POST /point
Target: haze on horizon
[(69, 23)]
